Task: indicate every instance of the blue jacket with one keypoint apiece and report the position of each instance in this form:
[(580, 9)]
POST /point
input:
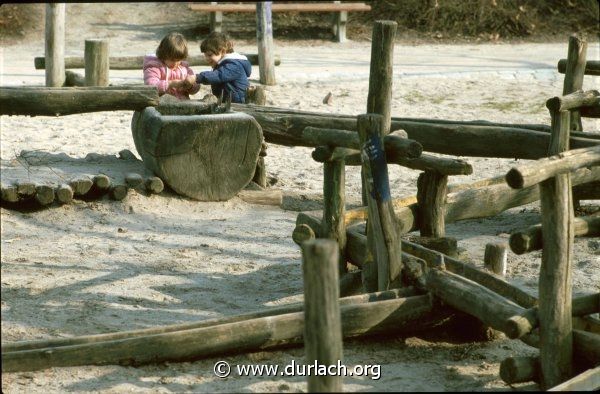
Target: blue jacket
[(230, 77)]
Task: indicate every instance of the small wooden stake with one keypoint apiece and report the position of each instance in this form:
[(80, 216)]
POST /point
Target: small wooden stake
[(431, 196), (96, 62), (494, 258), (334, 200), (322, 321), (55, 44)]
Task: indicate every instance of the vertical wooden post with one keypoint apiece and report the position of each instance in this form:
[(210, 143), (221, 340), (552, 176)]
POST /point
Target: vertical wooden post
[(555, 287), (339, 24), (575, 70), (55, 44), (96, 62), (264, 36), (381, 73), (260, 173), (334, 199), (383, 243), (216, 20), (322, 320), (494, 258), (431, 197)]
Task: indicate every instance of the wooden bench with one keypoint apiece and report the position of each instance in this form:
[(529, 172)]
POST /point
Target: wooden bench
[(340, 9)]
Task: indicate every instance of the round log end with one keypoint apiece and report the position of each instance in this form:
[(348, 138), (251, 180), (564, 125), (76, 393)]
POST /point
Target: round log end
[(44, 194), (514, 179), (321, 154), (414, 150), (516, 327), (155, 185), (64, 194), (118, 192), (101, 181), (553, 104), (302, 233), (519, 243)]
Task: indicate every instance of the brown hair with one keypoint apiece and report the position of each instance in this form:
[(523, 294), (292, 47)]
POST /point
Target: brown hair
[(215, 43), (172, 47)]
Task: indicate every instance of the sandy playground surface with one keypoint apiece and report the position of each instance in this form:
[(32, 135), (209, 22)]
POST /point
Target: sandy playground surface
[(104, 266)]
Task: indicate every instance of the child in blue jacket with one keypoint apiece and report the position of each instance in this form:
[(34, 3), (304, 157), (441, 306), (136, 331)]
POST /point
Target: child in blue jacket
[(230, 70)]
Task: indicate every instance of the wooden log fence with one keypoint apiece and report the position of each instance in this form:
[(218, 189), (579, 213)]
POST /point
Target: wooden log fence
[(41, 101), (286, 127), (136, 62)]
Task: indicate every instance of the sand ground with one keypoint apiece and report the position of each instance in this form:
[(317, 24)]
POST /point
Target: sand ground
[(103, 266)]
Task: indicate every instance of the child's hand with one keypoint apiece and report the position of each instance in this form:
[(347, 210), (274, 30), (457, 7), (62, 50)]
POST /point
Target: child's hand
[(175, 84), (189, 81)]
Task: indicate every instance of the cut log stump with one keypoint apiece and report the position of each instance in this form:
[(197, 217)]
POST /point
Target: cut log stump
[(204, 157)]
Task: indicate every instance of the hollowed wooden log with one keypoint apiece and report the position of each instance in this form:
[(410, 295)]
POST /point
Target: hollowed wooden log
[(205, 157)]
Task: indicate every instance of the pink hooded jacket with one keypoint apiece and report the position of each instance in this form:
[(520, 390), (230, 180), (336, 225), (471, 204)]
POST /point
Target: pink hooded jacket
[(158, 74)]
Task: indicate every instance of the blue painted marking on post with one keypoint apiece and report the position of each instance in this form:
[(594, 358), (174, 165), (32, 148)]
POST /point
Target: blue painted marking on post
[(373, 147)]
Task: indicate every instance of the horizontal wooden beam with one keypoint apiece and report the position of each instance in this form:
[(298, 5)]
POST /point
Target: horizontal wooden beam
[(285, 127), (530, 239), (592, 67), (425, 162), (42, 101), (281, 310), (136, 62), (530, 174), (401, 146), (575, 100), (282, 7), (522, 324), (400, 315)]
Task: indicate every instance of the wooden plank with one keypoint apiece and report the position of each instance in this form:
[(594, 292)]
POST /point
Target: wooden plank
[(283, 7), (322, 322), (586, 381)]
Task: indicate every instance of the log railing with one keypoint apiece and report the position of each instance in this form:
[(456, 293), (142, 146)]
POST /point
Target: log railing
[(553, 174)]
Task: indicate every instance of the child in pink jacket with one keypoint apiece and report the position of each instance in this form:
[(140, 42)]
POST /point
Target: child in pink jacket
[(168, 71)]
